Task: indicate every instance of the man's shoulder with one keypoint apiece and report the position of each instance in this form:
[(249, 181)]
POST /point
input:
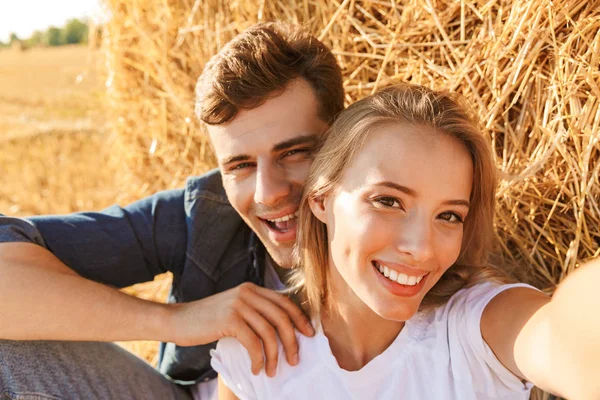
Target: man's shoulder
[(205, 199), (208, 186)]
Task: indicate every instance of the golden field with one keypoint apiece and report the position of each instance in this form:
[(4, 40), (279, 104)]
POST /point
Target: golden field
[(52, 131), (55, 146)]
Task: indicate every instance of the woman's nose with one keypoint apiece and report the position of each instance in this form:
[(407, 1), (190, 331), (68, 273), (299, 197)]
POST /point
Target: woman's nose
[(416, 239)]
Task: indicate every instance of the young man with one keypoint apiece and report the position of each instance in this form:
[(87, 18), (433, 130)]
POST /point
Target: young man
[(266, 98)]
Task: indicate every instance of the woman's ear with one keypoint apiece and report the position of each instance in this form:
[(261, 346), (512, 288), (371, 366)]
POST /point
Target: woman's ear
[(317, 206)]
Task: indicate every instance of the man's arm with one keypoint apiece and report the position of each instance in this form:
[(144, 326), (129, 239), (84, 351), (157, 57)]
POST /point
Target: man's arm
[(43, 298), (54, 271)]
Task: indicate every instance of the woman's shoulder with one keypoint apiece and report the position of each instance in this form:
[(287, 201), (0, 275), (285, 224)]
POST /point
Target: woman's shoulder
[(460, 315), (231, 360), (449, 336), (474, 298)]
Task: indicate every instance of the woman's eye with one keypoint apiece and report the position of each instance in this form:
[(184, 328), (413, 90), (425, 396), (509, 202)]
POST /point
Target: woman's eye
[(389, 202), (452, 217)]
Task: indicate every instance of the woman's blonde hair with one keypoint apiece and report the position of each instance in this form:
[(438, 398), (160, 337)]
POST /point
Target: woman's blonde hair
[(400, 104)]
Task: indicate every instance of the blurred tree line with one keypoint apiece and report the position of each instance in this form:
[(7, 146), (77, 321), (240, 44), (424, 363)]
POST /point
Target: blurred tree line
[(75, 31)]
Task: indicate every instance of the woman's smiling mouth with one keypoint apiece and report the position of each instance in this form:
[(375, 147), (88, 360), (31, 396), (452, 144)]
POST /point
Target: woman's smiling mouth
[(400, 283)]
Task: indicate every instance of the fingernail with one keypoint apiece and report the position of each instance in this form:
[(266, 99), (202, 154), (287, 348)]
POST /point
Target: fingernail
[(310, 329), (295, 359)]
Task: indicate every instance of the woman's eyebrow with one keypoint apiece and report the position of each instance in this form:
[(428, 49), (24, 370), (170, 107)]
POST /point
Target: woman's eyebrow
[(400, 188), (413, 193), (457, 203)]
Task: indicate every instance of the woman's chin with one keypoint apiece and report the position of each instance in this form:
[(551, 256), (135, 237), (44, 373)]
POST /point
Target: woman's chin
[(397, 313)]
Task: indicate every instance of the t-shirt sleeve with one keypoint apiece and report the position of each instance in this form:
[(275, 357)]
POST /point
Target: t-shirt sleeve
[(468, 349), (232, 362)]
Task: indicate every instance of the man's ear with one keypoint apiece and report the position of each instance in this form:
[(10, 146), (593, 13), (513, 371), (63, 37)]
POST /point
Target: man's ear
[(318, 207)]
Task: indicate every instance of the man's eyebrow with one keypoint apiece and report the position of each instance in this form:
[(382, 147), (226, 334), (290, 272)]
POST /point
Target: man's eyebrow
[(413, 193), (241, 157), (305, 139)]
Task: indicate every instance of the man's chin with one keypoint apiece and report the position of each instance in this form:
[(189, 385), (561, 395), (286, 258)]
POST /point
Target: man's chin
[(281, 255)]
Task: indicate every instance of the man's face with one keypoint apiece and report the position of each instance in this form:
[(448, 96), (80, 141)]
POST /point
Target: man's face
[(264, 155)]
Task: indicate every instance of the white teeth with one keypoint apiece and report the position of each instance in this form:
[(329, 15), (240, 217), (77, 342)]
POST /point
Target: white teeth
[(401, 278), (285, 217)]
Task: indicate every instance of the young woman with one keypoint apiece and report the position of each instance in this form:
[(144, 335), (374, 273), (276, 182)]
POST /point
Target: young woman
[(395, 229)]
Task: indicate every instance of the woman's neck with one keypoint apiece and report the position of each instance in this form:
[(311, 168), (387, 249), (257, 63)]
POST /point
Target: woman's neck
[(356, 334)]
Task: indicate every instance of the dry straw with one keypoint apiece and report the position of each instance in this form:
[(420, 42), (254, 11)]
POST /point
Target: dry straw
[(529, 67)]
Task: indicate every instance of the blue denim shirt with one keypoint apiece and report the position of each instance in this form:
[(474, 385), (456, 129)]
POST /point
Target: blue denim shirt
[(193, 232)]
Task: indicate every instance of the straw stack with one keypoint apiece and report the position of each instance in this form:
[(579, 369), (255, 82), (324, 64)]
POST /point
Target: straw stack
[(529, 67)]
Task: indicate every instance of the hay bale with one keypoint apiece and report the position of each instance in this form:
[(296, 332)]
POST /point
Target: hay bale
[(529, 67)]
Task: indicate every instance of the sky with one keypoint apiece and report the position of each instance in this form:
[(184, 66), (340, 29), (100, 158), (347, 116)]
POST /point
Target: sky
[(25, 16)]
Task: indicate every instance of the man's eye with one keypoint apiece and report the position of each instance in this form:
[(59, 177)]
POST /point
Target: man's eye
[(452, 217), (389, 202), (240, 166), (294, 152)]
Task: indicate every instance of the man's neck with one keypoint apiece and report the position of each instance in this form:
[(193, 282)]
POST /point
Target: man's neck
[(282, 273)]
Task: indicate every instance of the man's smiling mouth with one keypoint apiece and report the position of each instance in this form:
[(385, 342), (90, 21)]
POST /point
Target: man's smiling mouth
[(283, 223)]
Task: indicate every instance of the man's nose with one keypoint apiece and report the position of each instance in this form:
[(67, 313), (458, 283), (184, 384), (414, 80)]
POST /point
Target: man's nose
[(416, 239), (272, 185)]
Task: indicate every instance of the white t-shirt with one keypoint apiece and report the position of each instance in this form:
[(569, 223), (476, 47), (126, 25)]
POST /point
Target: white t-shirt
[(437, 355), (208, 390)]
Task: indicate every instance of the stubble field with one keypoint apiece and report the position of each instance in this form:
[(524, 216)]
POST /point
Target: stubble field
[(55, 145)]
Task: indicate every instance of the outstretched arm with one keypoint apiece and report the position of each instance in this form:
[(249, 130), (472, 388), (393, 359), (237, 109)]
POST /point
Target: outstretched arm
[(552, 343)]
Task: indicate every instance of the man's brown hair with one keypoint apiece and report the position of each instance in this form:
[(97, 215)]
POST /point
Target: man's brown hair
[(258, 64)]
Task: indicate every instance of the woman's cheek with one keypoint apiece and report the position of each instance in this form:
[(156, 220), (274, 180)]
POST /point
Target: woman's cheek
[(449, 248)]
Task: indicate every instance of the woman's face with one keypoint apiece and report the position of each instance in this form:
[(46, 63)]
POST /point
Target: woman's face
[(395, 221)]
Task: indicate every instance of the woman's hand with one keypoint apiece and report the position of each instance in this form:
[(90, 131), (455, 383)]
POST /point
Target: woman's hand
[(252, 314)]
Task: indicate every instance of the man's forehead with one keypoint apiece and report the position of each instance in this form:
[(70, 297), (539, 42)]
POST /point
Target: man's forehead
[(232, 140), (291, 114)]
